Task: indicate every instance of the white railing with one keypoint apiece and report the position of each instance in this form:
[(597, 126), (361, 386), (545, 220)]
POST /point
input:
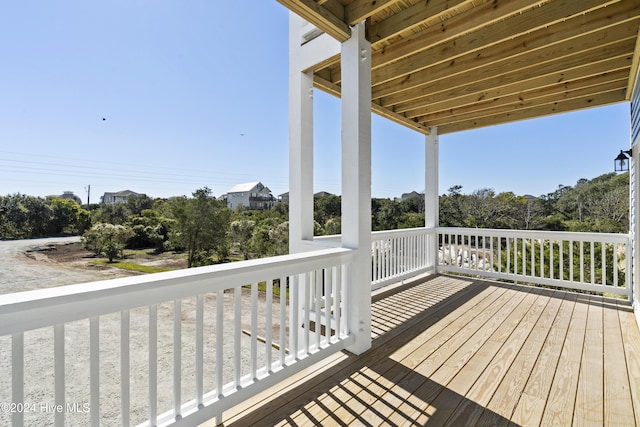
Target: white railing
[(211, 337), (398, 254), (598, 262)]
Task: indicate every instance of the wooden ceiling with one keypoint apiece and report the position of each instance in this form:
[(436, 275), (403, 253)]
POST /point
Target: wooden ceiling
[(465, 64)]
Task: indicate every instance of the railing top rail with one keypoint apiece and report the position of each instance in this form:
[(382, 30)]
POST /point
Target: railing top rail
[(538, 234), (404, 231), (19, 311)]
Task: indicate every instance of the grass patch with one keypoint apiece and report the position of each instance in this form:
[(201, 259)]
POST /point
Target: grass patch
[(130, 266)]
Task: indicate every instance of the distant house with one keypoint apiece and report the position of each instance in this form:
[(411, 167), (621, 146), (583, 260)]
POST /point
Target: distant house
[(70, 196), (412, 195), (251, 195), (284, 197), (118, 197), (322, 194)]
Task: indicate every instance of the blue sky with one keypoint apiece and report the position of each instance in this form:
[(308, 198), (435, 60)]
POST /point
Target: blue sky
[(194, 93)]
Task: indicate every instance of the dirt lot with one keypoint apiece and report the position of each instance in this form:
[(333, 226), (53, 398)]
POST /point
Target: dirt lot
[(74, 255)]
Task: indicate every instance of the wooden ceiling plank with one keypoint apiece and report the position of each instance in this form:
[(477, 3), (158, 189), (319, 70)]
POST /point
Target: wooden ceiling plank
[(516, 102), (360, 10), (410, 18), (491, 89), (535, 112), (476, 66), (525, 95), (597, 21), (520, 24), (479, 17), (460, 86), (319, 16)]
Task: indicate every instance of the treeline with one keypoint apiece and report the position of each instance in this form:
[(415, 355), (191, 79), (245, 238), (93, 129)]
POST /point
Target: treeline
[(23, 217), (207, 231), (597, 205)]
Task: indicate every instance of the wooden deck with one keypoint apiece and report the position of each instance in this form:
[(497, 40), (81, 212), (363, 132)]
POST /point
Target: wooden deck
[(458, 351)]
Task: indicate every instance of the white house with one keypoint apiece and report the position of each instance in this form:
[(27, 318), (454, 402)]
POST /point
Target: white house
[(251, 195), (118, 197)]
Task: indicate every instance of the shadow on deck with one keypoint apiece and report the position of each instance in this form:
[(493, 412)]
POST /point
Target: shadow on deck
[(458, 351)]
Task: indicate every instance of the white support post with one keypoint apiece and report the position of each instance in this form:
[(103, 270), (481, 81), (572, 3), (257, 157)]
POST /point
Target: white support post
[(356, 180), (431, 179), (431, 201), (300, 142)]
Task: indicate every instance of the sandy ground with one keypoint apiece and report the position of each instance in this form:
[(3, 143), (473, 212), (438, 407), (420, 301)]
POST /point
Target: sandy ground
[(24, 265), (22, 268)]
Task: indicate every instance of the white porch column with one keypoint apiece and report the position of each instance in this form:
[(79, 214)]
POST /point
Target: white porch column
[(431, 208), (356, 180), (300, 142), (431, 201)]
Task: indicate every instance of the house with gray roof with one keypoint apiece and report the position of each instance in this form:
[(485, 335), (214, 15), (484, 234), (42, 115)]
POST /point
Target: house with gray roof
[(118, 197), (250, 195)]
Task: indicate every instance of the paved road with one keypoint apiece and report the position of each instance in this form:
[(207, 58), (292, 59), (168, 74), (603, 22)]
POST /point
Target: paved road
[(19, 273)]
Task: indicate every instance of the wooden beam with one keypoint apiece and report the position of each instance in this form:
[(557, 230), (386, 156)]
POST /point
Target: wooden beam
[(633, 73), (538, 111), (319, 16), (333, 6), (360, 10)]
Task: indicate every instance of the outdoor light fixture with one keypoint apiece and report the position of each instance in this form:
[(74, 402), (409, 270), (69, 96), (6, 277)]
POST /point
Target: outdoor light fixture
[(621, 163)]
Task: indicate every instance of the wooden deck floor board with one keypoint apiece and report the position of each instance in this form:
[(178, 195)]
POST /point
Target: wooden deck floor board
[(532, 402), (590, 387), (561, 401), (465, 349), (618, 408), (503, 403), (410, 355), (628, 326), (473, 351), (392, 372), (512, 336)]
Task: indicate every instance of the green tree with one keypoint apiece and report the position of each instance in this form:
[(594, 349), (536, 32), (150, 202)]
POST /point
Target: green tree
[(326, 207), (150, 230), (385, 214), (107, 239), (111, 213), (67, 217), (137, 204), (201, 227), (451, 212), (279, 237), (333, 226), (242, 232)]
